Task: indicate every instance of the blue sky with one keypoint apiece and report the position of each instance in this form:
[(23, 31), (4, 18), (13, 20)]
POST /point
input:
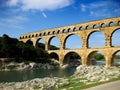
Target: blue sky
[(23, 16)]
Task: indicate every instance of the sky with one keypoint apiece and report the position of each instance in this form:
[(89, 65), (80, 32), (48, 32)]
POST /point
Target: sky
[(23, 16)]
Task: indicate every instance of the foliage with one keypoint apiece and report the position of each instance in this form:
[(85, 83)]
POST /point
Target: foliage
[(12, 48), (117, 56), (98, 56), (51, 47)]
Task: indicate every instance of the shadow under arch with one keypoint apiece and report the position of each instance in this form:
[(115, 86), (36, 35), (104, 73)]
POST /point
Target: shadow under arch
[(30, 42), (115, 35), (75, 41), (72, 59), (40, 43), (54, 56), (96, 39), (115, 61), (96, 58), (55, 44)]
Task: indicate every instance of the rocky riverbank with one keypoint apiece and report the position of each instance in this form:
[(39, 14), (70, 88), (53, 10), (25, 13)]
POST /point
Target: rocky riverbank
[(84, 74), (48, 83), (28, 65), (93, 74)]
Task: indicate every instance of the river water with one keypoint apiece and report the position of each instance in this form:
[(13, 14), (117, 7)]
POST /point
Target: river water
[(18, 76)]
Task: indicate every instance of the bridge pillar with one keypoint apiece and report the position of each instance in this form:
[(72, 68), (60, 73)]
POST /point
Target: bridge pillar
[(34, 42), (108, 42), (61, 58), (61, 45), (85, 43), (108, 60), (83, 59), (46, 46), (107, 39)]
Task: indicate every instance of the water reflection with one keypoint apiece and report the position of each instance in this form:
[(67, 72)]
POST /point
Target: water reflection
[(18, 76)]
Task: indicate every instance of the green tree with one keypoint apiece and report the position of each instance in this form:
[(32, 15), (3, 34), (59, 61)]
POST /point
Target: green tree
[(98, 56)]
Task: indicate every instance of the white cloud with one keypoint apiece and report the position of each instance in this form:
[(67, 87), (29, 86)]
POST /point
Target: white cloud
[(44, 15), (12, 2), (13, 22), (40, 4), (83, 7), (105, 8)]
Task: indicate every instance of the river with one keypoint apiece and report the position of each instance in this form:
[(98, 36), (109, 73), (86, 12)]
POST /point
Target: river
[(19, 76)]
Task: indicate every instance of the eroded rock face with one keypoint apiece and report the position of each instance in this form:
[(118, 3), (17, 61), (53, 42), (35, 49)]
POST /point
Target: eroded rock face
[(38, 84), (97, 73)]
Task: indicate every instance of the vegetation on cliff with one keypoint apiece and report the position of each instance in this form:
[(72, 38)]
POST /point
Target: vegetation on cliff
[(13, 49)]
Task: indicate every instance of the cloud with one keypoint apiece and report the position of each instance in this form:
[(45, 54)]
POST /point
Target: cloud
[(13, 22), (39, 4), (12, 2), (105, 8), (83, 7), (44, 15)]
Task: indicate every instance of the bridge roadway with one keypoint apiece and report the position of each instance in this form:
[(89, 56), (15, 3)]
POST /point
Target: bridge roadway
[(87, 50)]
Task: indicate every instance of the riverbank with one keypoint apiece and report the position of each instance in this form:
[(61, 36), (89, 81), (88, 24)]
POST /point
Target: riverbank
[(84, 77), (89, 76), (48, 83), (27, 66)]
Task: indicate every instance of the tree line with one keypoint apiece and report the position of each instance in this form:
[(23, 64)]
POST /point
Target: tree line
[(19, 51)]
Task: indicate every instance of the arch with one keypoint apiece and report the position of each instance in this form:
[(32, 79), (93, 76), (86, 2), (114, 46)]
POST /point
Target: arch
[(75, 29), (36, 35), (116, 58), (29, 36), (111, 23), (54, 56), (44, 33), (48, 33), (72, 58), (96, 58), (40, 34), (25, 36), (32, 35), (21, 37), (63, 31), (69, 44), (58, 32), (87, 27), (69, 30), (96, 39), (114, 37), (53, 32), (95, 26), (30, 42), (103, 25), (54, 43), (40, 43), (81, 28), (119, 23)]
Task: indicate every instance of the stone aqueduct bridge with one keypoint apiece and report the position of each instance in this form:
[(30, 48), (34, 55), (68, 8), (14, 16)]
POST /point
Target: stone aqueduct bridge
[(83, 30)]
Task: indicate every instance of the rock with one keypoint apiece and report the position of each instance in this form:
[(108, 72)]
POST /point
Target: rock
[(65, 66), (38, 84), (97, 73), (31, 64)]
